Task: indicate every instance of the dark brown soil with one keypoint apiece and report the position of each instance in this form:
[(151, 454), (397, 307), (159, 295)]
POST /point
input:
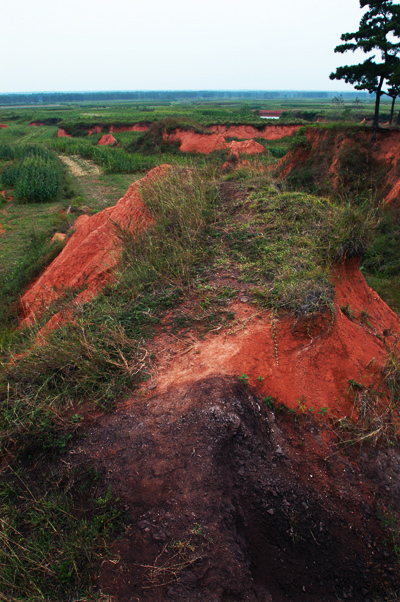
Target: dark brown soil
[(231, 502)]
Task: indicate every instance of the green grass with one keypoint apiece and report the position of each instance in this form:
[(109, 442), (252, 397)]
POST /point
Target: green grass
[(381, 263), (213, 236), (283, 244), (56, 526)]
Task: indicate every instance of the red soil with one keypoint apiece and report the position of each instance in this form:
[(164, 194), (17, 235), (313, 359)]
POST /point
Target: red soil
[(245, 132), (1, 230), (36, 123), (107, 140), (95, 130), (137, 127), (313, 358), (63, 134), (58, 237), (203, 143), (90, 254), (247, 147), (194, 142), (3, 125), (385, 151)]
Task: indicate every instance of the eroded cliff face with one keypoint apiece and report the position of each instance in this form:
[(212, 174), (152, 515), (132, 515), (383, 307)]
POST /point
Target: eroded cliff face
[(333, 158), (258, 488), (91, 253)]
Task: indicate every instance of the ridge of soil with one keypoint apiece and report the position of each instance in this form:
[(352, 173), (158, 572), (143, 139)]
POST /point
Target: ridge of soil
[(230, 502), (329, 155)]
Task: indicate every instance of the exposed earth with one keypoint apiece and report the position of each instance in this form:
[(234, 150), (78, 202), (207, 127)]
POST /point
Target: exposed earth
[(240, 460)]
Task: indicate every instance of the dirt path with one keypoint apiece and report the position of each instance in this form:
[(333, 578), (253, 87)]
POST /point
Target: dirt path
[(80, 167)]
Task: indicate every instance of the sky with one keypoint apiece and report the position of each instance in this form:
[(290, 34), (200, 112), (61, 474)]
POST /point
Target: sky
[(85, 45)]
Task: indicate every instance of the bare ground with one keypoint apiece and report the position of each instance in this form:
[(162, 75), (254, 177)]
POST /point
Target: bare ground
[(231, 502)]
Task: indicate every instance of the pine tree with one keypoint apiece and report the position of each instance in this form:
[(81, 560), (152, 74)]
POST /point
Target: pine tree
[(379, 34)]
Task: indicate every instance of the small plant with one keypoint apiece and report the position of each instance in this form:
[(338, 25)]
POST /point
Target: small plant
[(302, 404), (260, 378), (355, 386), (364, 318), (197, 529), (269, 402), (348, 312), (323, 411), (244, 378)]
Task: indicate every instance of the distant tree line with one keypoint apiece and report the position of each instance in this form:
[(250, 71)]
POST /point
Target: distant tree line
[(46, 98)]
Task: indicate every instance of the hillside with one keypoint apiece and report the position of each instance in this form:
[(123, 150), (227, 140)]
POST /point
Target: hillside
[(201, 400)]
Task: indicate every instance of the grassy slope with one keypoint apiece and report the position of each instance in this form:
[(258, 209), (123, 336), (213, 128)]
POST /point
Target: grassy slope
[(217, 235)]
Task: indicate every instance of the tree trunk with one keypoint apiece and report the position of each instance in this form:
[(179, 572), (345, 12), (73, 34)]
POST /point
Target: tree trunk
[(392, 109), (377, 101)]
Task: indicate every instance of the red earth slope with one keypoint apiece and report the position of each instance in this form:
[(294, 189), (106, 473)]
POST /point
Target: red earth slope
[(90, 254)]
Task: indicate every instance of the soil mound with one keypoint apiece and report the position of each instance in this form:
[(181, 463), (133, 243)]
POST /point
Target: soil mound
[(63, 134), (97, 129), (107, 140), (225, 504), (90, 254), (194, 142), (247, 147), (329, 158), (136, 127), (245, 132), (311, 359)]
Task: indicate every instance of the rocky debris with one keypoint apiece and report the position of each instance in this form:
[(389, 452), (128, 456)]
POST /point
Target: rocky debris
[(107, 140), (90, 253), (230, 502)]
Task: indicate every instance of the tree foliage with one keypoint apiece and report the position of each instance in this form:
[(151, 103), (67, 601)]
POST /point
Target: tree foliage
[(379, 34)]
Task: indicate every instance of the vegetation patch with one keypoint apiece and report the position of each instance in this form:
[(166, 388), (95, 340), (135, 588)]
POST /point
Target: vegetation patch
[(56, 526)]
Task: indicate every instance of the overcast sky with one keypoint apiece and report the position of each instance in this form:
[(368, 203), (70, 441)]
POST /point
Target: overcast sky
[(47, 45)]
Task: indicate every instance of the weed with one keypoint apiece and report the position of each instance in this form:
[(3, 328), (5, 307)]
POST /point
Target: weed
[(364, 318), (269, 402), (243, 378), (355, 386), (348, 312), (302, 404), (323, 411), (53, 533), (260, 378), (197, 529), (390, 522)]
